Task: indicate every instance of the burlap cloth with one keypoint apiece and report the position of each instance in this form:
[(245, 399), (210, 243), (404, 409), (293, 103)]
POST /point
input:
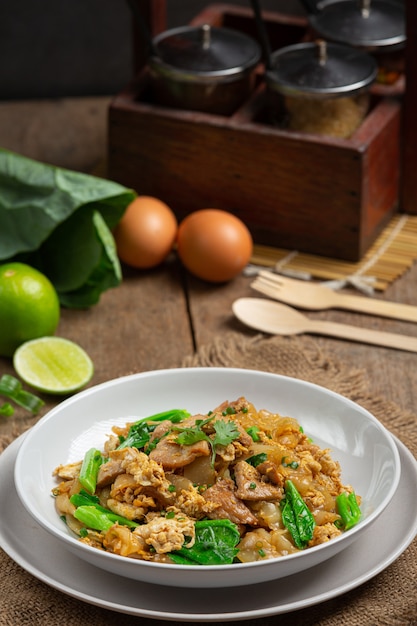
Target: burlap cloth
[(388, 599)]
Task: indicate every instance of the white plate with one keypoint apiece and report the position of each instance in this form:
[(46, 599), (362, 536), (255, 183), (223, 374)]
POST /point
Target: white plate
[(28, 544)]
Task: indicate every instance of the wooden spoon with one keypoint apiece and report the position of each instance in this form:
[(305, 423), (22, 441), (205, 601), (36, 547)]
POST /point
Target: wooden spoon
[(279, 319)]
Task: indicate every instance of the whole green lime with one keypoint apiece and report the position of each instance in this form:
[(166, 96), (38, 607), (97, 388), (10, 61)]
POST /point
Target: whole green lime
[(29, 306)]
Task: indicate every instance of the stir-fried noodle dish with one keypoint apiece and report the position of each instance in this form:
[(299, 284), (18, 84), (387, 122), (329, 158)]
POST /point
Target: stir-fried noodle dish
[(235, 485)]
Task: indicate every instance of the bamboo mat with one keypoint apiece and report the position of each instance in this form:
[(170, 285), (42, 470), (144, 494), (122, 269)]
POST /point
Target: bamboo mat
[(391, 255)]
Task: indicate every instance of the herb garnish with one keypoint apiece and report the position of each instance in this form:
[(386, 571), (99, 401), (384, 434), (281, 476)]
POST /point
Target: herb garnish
[(225, 433)]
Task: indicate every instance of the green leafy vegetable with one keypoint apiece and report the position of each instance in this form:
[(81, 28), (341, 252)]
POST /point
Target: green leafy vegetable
[(93, 518), (140, 432), (348, 509), (89, 469), (225, 433), (11, 388), (215, 544), (60, 222), (296, 516), (84, 499)]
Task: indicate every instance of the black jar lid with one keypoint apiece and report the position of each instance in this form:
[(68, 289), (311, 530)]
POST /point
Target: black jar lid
[(369, 24), (207, 50), (320, 69)]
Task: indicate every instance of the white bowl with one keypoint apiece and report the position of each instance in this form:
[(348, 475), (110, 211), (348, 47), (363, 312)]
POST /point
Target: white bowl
[(366, 451)]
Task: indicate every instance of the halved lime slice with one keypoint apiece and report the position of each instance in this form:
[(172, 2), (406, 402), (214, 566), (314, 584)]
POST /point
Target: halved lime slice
[(53, 365)]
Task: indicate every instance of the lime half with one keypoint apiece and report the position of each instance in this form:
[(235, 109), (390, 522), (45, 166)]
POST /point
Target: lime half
[(53, 365)]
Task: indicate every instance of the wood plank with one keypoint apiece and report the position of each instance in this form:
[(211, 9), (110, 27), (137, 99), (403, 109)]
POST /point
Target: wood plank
[(391, 373), (68, 132), (141, 325), (409, 160)]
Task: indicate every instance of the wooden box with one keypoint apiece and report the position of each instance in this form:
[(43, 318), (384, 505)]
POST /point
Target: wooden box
[(302, 192)]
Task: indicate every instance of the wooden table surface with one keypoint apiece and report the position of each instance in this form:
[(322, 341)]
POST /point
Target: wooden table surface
[(185, 312), (166, 314)]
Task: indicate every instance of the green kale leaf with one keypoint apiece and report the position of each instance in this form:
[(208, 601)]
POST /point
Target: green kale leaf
[(60, 222)]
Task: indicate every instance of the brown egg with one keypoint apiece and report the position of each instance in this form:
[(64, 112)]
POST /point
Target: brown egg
[(214, 245), (146, 233)]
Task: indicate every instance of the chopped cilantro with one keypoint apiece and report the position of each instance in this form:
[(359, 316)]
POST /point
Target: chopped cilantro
[(225, 433)]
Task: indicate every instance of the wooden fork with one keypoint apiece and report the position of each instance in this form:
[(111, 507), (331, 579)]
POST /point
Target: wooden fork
[(316, 297)]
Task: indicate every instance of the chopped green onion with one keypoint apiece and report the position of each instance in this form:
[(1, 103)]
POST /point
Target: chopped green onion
[(229, 411), (292, 464), (253, 432), (11, 387), (6, 409), (257, 459)]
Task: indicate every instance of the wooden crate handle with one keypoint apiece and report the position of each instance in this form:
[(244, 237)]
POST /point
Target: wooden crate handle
[(154, 16), (409, 139)]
